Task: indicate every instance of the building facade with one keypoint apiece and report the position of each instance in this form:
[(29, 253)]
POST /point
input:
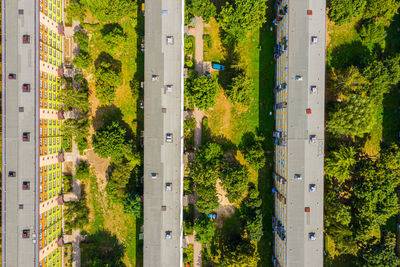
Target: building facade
[(32, 116), (299, 132)]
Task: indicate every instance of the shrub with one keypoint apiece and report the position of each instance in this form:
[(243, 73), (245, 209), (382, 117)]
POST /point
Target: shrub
[(82, 171), (67, 183)]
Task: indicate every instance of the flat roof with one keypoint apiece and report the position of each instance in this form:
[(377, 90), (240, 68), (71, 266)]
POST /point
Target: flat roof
[(18, 156), (306, 59), (163, 114)]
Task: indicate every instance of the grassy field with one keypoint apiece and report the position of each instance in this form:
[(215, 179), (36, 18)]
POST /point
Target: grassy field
[(111, 232), (228, 122), (109, 228)]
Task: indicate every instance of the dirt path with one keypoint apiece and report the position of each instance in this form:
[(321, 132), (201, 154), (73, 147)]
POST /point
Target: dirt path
[(226, 209), (197, 32)]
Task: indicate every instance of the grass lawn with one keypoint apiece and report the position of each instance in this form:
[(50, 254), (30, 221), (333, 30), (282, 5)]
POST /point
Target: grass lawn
[(228, 122), (108, 224), (110, 229)]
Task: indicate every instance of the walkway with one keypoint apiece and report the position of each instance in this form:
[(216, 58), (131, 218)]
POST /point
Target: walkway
[(198, 115)]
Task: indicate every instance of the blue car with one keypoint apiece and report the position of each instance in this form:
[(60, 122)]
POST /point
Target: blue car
[(212, 216), (217, 66)]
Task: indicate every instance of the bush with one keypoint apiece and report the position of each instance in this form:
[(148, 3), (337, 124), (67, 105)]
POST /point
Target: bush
[(189, 64), (67, 183), (82, 40), (82, 171)]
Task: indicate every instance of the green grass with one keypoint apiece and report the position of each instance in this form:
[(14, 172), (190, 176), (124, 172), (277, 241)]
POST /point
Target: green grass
[(227, 123), (107, 217)]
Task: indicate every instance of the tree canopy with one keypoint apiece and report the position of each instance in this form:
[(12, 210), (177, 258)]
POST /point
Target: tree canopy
[(241, 89), (339, 164), (379, 253), (203, 91), (240, 16), (200, 8), (205, 229), (110, 141), (110, 10)]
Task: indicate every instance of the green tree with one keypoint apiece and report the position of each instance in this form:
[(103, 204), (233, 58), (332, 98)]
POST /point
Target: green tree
[(373, 34), (380, 254), (254, 226), (375, 199), (75, 127), (75, 10), (203, 91), (133, 205), (252, 148), (82, 171), (116, 187), (113, 36), (340, 163), (207, 199), (76, 214), (240, 16), (82, 40), (342, 11), (241, 90), (234, 180), (201, 8), (74, 98), (353, 117), (205, 229), (110, 141), (110, 10), (211, 153), (347, 81), (82, 60), (383, 11)]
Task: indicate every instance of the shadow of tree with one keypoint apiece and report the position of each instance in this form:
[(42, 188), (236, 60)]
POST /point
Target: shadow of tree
[(104, 57), (111, 27), (108, 114), (102, 249), (345, 55)]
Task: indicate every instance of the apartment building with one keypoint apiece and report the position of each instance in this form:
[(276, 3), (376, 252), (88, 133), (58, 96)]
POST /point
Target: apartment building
[(32, 117), (299, 133)]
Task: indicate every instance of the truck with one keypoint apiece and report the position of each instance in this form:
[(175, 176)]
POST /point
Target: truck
[(217, 66)]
